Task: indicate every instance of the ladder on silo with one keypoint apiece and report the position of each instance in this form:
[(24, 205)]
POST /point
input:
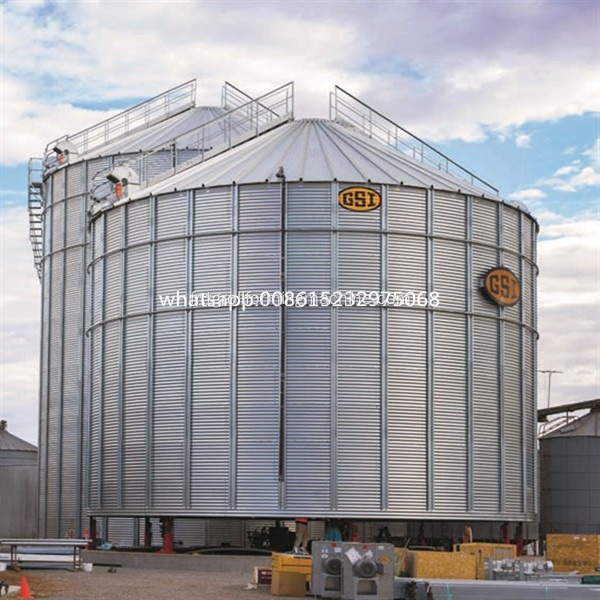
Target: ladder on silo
[(35, 206)]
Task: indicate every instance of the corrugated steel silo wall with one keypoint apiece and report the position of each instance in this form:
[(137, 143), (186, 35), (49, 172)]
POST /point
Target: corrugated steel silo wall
[(65, 294), (396, 412), (570, 484)]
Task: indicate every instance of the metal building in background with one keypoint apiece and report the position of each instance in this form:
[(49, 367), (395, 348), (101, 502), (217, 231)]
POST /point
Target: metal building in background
[(570, 473), (393, 412), (18, 486)]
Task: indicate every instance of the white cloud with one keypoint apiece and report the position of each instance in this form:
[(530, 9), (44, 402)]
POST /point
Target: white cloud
[(483, 67), (19, 326), (567, 170), (527, 194), (569, 308), (594, 153), (523, 141), (570, 150), (576, 175)]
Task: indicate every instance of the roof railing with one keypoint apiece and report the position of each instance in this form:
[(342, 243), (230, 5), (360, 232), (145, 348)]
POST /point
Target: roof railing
[(133, 119), (346, 108), (238, 125), (35, 206)]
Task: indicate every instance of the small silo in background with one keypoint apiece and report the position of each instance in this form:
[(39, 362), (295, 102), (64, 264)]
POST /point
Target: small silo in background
[(570, 474), (18, 485)]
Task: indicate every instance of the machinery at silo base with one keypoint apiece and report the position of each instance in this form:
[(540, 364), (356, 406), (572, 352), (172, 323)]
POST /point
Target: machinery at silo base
[(363, 571)]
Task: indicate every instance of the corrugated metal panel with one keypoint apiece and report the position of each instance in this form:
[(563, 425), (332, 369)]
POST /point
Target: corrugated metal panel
[(171, 216), (156, 164), (119, 531), (260, 207), (485, 221), (308, 261), (359, 407), (259, 262), (138, 222), (450, 413), (510, 228), (512, 416), (111, 416), (450, 274), (75, 179), (190, 532), (58, 226), (170, 271), (359, 261), (258, 408), (449, 214), (407, 414), (112, 286), (169, 412), (511, 261), (212, 210), (309, 205), (528, 294), (75, 220), (71, 389), (308, 408), (113, 229), (484, 259), (211, 414), (407, 209), (135, 412), (136, 279), (406, 263), (212, 264), (95, 416), (530, 417), (486, 415)]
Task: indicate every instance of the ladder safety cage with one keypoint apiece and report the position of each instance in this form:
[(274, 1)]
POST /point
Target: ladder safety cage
[(238, 125), (347, 109), (136, 118), (35, 207)]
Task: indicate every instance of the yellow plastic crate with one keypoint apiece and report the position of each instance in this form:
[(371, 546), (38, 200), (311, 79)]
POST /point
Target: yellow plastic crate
[(290, 563)]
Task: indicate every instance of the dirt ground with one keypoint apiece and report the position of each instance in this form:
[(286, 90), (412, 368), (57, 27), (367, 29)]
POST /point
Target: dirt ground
[(136, 584)]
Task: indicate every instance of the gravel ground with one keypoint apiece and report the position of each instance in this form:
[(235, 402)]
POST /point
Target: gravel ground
[(137, 584)]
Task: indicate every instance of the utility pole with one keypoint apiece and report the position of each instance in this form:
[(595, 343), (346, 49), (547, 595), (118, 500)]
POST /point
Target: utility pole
[(550, 372)]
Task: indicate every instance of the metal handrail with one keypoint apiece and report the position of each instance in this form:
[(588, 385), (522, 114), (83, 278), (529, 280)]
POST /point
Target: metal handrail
[(35, 200), (137, 117), (238, 125), (376, 125)]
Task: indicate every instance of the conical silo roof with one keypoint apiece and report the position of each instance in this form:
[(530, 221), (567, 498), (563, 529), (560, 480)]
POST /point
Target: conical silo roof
[(153, 137), (313, 150)]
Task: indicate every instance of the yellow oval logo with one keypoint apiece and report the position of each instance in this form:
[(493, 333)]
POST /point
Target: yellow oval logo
[(502, 286), (360, 199)]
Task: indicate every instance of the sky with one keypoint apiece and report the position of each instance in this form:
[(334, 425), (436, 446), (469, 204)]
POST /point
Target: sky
[(509, 89)]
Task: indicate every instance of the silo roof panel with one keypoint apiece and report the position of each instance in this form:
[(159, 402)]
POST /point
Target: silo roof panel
[(588, 425), (161, 133), (313, 150), (8, 441)]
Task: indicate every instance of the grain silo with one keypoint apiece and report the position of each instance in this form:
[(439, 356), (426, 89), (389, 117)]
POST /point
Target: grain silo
[(414, 406), (74, 167), (18, 485), (570, 471)]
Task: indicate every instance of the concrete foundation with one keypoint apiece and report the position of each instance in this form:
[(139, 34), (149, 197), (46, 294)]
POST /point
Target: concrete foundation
[(181, 562)]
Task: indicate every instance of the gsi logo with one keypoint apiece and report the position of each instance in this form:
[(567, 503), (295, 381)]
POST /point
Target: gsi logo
[(502, 286), (360, 199)]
